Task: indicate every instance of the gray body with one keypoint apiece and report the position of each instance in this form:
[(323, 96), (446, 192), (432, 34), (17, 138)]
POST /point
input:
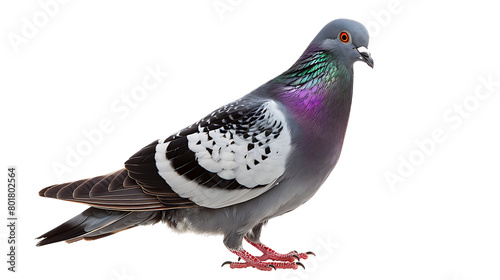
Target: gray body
[(307, 168)]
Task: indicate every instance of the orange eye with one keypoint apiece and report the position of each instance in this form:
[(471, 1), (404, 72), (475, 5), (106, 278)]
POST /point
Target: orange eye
[(344, 36)]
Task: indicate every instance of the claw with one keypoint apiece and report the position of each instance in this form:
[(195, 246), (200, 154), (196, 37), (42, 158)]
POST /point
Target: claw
[(279, 261)]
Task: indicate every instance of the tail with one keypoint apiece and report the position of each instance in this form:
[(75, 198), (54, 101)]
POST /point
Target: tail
[(95, 223), (118, 203)]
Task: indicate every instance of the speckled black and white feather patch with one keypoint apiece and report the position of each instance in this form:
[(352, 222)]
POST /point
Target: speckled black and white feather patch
[(232, 155)]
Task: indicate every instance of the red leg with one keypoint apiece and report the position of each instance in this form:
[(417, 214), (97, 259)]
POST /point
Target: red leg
[(270, 254), (253, 261)]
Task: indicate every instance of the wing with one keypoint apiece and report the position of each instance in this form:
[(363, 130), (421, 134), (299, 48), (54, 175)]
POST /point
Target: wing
[(233, 155), (114, 191)]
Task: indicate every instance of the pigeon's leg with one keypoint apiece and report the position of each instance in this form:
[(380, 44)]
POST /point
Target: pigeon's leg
[(234, 244), (253, 237), (270, 254)]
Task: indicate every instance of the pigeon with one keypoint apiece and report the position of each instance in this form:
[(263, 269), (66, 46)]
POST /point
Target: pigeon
[(245, 163)]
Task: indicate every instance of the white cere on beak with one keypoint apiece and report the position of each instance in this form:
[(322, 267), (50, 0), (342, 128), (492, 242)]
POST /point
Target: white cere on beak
[(363, 49)]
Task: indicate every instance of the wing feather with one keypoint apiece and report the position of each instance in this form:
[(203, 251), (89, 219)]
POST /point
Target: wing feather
[(115, 191)]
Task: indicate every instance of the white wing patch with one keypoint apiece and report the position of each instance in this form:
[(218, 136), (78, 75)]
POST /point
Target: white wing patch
[(252, 152), (234, 157)]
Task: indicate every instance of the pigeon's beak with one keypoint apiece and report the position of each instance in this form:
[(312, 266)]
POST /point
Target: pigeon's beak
[(365, 56)]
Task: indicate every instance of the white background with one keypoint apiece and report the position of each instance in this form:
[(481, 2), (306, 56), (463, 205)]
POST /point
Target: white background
[(442, 222)]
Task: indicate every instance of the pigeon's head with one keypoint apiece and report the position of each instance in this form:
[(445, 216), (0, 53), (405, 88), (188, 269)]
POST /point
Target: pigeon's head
[(346, 39)]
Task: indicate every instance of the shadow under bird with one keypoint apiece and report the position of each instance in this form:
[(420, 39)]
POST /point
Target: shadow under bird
[(251, 160)]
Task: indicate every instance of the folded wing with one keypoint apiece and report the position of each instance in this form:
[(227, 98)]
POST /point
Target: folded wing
[(233, 155)]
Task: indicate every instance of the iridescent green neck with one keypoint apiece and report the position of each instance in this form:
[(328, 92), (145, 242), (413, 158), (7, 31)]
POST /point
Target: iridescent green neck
[(316, 87), (315, 70)]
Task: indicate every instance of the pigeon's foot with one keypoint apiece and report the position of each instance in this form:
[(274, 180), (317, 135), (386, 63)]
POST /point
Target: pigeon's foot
[(270, 254), (253, 261)]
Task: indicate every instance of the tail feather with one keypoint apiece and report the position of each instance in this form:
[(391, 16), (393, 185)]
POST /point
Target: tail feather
[(95, 223), (118, 202)]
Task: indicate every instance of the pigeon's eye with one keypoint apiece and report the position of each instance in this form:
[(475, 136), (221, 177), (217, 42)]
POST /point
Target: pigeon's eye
[(344, 37)]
